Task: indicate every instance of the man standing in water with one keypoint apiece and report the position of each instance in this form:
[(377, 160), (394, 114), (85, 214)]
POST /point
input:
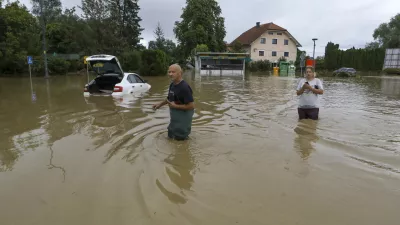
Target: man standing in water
[(309, 88), (181, 106)]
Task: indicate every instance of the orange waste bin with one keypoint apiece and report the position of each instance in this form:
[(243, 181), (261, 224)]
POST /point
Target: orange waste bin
[(310, 62)]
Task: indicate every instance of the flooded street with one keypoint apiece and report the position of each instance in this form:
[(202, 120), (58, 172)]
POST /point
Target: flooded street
[(66, 159)]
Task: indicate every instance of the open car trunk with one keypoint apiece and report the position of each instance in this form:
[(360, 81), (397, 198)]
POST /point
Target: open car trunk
[(103, 84), (109, 73)]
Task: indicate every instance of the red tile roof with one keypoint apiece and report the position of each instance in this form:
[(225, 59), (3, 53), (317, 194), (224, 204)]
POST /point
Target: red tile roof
[(255, 32)]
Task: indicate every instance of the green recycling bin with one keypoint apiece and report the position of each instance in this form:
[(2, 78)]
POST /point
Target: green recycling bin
[(283, 69), (292, 70)]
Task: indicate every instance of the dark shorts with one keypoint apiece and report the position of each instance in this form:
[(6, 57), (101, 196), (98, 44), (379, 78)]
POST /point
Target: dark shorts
[(311, 113)]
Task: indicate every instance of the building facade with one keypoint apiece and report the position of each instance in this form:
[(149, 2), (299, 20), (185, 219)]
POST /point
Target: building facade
[(268, 42)]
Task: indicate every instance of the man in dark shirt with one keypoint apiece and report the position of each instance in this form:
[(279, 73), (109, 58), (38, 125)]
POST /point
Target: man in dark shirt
[(180, 101)]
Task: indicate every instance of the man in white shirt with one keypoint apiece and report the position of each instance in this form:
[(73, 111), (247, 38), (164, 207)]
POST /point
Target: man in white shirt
[(308, 89)]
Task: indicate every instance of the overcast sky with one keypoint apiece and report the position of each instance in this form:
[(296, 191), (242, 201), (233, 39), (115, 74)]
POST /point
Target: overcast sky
[(346, 22)]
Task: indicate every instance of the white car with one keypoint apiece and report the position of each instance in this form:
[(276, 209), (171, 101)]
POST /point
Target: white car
[(111, 79)]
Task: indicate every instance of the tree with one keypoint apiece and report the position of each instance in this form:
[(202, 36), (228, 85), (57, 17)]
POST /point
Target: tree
[(237, 47), (19, 37), (154, 62), (360, 59), (388, 34), (115, 24), (160, 41), (163, 44), (125, 14), (372, 45), (331, 56), (51, 9), (201, 23)]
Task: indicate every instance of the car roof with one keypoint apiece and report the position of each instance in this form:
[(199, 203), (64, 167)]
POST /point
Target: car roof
[(100, 57)]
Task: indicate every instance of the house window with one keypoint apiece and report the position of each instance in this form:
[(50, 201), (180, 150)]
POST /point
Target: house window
[(286, 54), (286, 42), (279, 33), (274, 41), (271, 33), (260, 53), (273, 53), (263, 40)]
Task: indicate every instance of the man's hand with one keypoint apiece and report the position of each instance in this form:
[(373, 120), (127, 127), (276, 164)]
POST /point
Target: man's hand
[(159, 105), (172, 105), (156, 106)]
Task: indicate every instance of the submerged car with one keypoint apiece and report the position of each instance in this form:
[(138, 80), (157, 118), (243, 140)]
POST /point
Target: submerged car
[(345, 72), (111, 79)]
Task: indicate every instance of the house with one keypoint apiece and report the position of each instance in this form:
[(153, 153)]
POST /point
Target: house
[(268, 41)]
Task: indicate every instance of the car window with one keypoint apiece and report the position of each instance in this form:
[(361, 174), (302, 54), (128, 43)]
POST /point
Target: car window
[(131, 79), (139, 79)]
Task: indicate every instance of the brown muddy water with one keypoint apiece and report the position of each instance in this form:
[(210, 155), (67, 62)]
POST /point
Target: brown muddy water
[(65, 159)]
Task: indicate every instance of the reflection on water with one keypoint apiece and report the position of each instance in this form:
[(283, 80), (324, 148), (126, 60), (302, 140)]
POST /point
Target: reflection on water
[(391, 86), (306, 137), (67, 159), (179, 169)]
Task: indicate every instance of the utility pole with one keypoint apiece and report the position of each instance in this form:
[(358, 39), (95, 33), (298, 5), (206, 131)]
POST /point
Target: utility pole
[(313, 56), (46, 71)]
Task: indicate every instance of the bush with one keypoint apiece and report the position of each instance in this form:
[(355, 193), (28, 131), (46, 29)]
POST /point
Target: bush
[(131, 61), (259, 66), (154, 62), (76, 65), (58, 66)]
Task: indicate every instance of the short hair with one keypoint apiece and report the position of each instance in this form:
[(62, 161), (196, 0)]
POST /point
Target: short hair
[(176, 65)]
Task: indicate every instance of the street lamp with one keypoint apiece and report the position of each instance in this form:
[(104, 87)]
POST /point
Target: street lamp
[(313, 56)]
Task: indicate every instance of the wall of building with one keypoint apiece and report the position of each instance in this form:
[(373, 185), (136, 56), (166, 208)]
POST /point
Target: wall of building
[(268, 47)]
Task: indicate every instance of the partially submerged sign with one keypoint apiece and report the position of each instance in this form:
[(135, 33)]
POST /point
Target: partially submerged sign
[(30, 60)]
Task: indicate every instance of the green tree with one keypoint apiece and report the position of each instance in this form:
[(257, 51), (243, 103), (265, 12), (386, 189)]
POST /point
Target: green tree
[(163, 44), (159, 43), (154, 63), (19, 37), (237, 47), (360, 59), (332, 56), (52, 9), (201, 23), (105, 36), (202, 48), (388, 34), (372, 45), (124, 14)]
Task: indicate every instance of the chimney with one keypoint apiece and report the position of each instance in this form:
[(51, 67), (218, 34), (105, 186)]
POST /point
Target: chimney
[(258, 24)]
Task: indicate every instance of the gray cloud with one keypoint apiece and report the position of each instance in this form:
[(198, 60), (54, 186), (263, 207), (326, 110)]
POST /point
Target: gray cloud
[(346, 22)]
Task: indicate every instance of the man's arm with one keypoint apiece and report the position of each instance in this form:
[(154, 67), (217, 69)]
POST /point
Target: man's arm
[(161, 104), (188, 106)]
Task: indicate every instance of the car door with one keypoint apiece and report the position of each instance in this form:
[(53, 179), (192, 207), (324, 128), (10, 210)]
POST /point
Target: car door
[(135, 86), (142, 83)]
